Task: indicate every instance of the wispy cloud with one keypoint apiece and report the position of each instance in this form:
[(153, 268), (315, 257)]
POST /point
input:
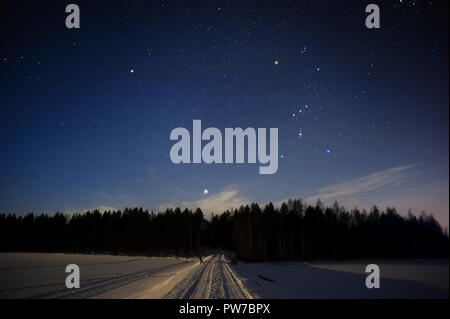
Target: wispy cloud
[(101, 208), (217, 203), (402, 187), (364, 185)]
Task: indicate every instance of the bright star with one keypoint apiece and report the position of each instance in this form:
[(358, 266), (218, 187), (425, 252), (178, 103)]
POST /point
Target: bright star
[(205, 191)]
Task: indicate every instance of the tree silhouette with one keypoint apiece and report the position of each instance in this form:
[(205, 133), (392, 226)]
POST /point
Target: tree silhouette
[(294, 231)]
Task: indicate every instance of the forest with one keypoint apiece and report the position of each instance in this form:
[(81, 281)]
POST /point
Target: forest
[(293, 231)]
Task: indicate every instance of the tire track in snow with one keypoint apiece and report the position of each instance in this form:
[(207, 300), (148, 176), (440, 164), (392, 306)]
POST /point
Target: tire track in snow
[(214, 280), (190, 286)]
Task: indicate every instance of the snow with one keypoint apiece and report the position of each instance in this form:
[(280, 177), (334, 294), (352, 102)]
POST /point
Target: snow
[(213, 280), (29, 275), (399, 279)]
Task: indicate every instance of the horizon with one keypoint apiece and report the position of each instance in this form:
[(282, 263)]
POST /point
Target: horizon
[(208, 214)]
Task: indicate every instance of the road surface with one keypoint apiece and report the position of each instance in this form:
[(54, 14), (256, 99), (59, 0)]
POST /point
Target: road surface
[(25, 275), (28, 275), (213, 280)]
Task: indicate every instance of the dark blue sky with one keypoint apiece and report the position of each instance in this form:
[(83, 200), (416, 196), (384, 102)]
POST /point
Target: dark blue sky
[(86, 114)]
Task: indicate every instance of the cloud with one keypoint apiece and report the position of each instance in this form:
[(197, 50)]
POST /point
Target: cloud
[(364, 185), (218, 203), (417, 192), (101, 208)]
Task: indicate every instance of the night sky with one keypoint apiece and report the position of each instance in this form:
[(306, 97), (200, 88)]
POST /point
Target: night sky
[(86, 113)]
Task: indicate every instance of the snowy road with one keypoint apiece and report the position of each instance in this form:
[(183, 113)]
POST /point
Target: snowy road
[(43, 276), (213, 280)]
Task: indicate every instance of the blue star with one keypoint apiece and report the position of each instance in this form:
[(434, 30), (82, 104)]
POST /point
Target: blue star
[(328, 151)]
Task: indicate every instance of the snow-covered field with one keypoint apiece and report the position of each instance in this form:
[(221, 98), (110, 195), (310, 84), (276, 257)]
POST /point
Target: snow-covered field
[(398, 279), (28, 275)]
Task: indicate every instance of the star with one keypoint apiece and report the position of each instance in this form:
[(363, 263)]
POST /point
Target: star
[(276, 62), (205, 191), (132, 71), (328, 151)]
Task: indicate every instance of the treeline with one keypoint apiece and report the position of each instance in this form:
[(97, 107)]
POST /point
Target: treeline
[(131, 231), (295, 231)]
